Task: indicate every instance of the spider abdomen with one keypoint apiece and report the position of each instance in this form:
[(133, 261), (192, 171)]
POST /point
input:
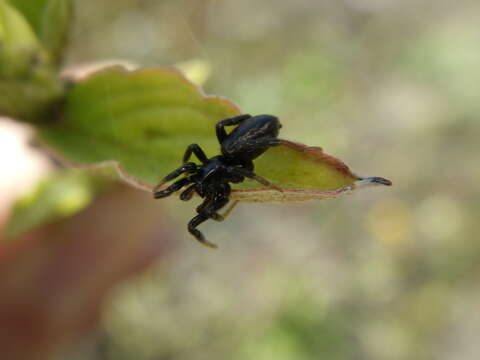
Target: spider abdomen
[(251, 138)]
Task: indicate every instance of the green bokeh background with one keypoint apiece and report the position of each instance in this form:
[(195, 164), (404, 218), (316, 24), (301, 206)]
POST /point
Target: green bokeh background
[(389, 87)]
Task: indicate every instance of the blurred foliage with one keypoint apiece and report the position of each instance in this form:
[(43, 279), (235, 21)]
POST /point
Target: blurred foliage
[(18, 40), (389, 275), (54, 282), (58, 197), (29, 83), (387, 85), (50, 19)]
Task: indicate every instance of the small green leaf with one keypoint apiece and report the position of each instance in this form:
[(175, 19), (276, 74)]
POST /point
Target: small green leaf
[(18, 43), (59, 196), (50, 19), (30, 100), (142, 121), (29, 86)]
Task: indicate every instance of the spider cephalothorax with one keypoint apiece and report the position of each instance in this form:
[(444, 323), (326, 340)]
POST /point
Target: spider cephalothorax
[(252, 137)]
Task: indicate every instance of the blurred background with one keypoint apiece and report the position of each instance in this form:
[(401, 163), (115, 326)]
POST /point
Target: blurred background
[(391, 88)]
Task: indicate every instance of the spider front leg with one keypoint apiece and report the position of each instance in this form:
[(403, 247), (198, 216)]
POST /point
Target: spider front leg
[(185, 168), (172, 188), (220, 127), (188, 193)]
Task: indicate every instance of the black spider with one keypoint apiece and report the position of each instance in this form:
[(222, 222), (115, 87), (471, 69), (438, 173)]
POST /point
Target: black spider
[(252, 137)]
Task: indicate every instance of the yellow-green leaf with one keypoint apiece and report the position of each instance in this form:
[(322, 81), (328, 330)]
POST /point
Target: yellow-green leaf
[(50, 19), (18, 42)]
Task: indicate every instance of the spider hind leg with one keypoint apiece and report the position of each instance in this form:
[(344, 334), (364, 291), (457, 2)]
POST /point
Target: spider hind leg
[(248, 173), (197, 150), (220, 127)]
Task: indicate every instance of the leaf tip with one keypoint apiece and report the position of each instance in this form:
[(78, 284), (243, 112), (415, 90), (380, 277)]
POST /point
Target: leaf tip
[(372, 181)]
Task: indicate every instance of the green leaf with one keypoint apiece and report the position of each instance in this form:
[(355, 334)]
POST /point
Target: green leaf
[(29, 86), (50, 19), (304, 173), (59, 196), (18, 43), (30, 100), (142, 121)]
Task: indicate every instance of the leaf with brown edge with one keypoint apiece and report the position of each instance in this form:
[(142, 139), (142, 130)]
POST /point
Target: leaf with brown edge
[(142, 121), (303, 173)]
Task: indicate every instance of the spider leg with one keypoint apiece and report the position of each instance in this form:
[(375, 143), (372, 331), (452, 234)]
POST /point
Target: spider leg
[(208, 209), (188, 193), (251, 175), (220, 127), (188, 167), (229, 209), (217, 204), (172, 188), (197, 220), (197, 150)]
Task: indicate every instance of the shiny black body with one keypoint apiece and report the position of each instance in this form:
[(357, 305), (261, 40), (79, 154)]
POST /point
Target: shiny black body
[(211, 180)]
